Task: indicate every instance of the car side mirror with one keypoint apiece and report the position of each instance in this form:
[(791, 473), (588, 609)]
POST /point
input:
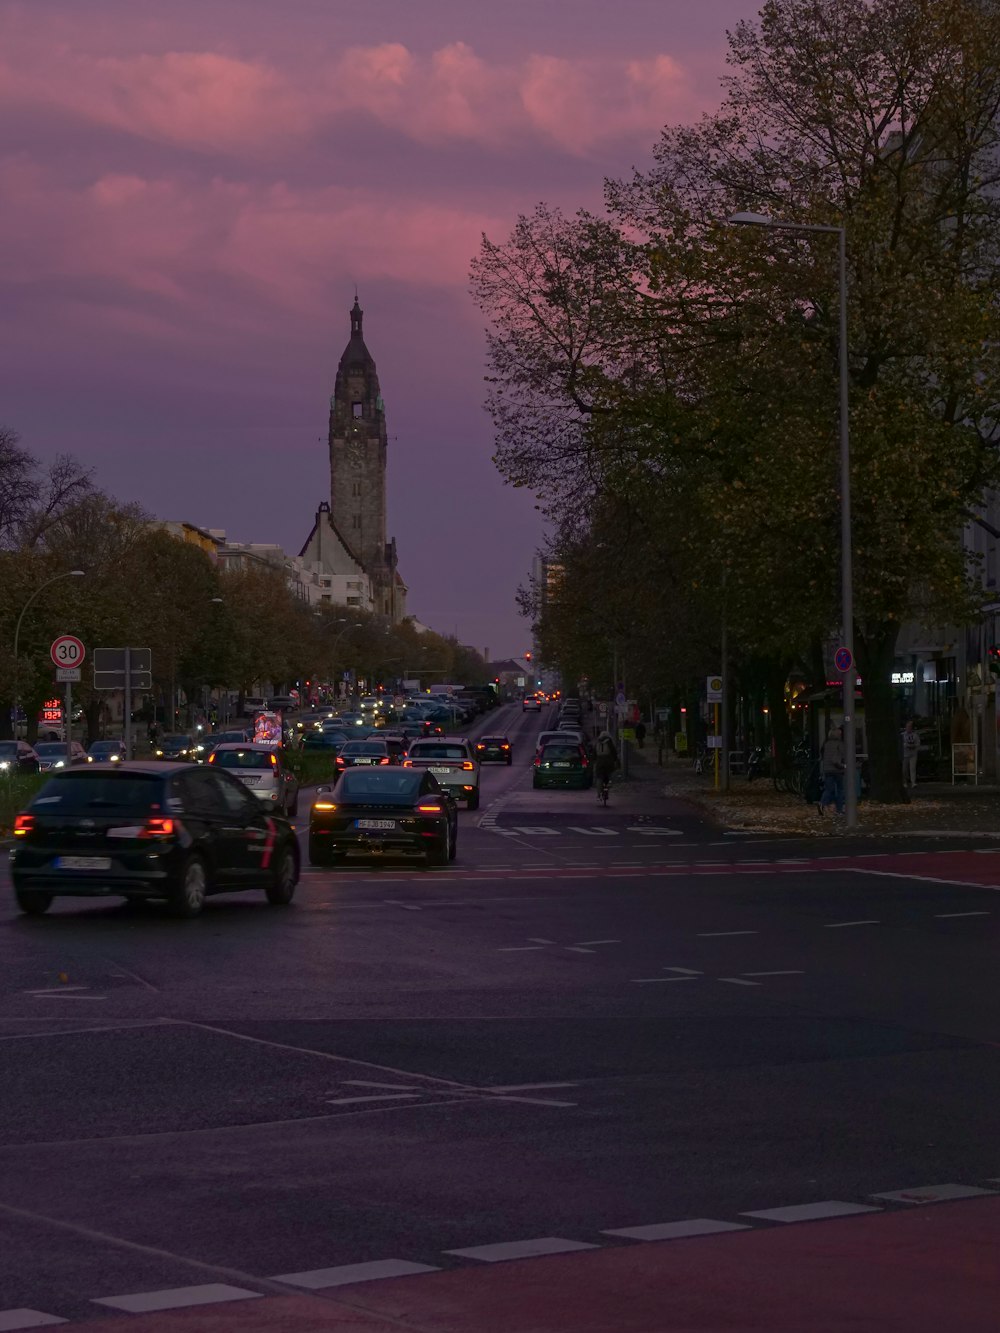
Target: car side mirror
[(321, 790)]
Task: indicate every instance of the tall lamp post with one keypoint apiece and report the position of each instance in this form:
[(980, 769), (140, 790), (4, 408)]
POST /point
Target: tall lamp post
[(846, 550), (68, 574)]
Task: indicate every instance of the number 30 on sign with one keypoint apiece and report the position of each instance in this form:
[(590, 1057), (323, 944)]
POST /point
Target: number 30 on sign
[(67, 651)]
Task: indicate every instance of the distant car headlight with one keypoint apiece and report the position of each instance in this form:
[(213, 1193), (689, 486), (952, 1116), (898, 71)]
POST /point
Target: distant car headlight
[(60, 763), (159, 754), (115, 758), (4, 765)]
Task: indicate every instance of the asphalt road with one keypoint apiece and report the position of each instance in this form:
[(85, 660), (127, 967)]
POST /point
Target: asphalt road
[(594, 1021)]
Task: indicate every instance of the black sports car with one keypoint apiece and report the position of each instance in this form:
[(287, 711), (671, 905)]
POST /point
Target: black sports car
[(383, 812)]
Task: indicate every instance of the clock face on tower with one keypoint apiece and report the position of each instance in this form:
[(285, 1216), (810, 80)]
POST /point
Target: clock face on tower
[(355, 443)]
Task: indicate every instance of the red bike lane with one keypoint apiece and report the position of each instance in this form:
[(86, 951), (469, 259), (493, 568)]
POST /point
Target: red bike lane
[(920, 1269)]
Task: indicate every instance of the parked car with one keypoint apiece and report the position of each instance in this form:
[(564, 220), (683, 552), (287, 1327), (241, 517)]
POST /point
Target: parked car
[(18, 757), (149, 830), (379, 812), (562, 763), (52, 754), (261, 769)]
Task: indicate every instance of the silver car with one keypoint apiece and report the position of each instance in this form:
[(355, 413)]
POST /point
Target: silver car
[(261, 769)]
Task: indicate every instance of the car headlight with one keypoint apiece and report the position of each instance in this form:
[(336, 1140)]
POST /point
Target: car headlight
[(115, 758), (4, 766), (60, 763), (159, 754)]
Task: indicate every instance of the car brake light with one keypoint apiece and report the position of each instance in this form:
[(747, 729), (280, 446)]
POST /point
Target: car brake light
[(274, 761), (538, 762), (324, 805), (505, 746), (23, 824), (158, 827), (407, 763), (385, 760), (429, 809), (468, 766)]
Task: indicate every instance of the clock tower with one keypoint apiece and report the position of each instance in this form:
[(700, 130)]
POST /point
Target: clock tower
[(358, 451)]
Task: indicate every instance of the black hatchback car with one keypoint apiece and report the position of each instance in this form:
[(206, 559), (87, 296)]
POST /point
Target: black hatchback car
[(383, 812), (494, 749), (149, 830)]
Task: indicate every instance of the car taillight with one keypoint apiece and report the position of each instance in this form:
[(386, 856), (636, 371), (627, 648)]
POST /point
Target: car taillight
[(324, 805), (158, 828), (429, 809), (23, 824), (274, 761), (211, 757), (385, 760), (538, 762), (407, 763), (340, 762), (505, 746), (468, 766)]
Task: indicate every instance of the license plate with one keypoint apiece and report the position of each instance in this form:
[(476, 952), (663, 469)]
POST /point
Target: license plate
[(375, 823), (441, 770), (364, 761), (250, 782), (83, 862), (561, 763)]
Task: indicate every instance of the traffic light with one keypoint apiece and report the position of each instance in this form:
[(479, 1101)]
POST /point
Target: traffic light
[(496, 680), (993, 658)]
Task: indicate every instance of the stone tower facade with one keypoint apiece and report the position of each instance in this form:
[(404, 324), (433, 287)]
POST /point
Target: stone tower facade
[(358, 449)]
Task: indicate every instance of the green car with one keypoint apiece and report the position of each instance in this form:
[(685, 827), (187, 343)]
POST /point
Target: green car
[(562, 764)]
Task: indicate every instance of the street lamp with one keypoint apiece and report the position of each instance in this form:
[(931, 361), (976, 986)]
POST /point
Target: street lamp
[(846, 555), (68, 574)]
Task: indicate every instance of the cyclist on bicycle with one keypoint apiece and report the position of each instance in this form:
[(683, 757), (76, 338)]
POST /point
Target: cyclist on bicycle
[(606, 759)]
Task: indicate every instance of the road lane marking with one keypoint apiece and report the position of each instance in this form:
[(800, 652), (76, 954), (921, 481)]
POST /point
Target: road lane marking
[(596, 831), (691, 971), (649, 981), (840, 925), (521, 1249), (15, 1319), (933, 1194), (367, 1083), (380, 1097), (537, 939), (811, 1212), (941, 916), (528, 1087), (738, 981), (523, 948), (792, 972), (177, 1298), (320, 1278), (599, 941), (695, 1226), (722, 934)]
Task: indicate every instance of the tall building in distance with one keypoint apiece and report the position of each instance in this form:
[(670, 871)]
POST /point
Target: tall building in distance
[(348, 539)]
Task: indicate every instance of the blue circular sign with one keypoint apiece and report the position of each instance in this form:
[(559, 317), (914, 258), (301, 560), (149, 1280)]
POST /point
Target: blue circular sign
[(844, 659)]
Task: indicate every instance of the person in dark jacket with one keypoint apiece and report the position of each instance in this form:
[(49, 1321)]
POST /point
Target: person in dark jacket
[(833, 762)]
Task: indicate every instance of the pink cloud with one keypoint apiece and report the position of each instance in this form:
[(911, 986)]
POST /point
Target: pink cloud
[(210, 101)]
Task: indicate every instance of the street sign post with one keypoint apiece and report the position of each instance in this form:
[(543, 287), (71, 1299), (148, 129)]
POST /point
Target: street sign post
[(714, 688), (71, 675), (844, 659), (125, 669), (67, 651)]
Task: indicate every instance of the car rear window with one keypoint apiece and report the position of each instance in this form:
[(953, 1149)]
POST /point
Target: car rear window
[(76, 792), (364, 747), (242, 759), (437, 750), (376, 785), (561, 752)]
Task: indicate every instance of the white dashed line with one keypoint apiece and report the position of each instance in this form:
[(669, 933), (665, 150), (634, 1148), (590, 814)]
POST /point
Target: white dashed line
[(942, 916), (695, 1226), (794, 972), (528, 1087), (15, 1319), (840, 925), (811, 1212), (381, 1097), (320, 1278), (521, 1249), (738, 981), (177, 1298), (721, 934), (691, 971), (649, 981), (933, 1194)]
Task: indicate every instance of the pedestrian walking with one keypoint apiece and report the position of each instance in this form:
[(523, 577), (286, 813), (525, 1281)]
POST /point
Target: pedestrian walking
[(833, 762), (640, 734), (911, 748)]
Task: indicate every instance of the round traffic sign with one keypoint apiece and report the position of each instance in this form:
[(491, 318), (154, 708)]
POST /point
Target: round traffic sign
[(844, 659), (67, 651)]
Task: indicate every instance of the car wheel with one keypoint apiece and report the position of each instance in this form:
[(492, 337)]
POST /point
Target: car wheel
[(281, 890), (33, 902), (319, 853), (188, 897), (438, 852), (473, 801)]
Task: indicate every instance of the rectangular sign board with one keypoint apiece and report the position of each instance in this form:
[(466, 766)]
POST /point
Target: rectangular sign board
[(71, 675), (109, 668)]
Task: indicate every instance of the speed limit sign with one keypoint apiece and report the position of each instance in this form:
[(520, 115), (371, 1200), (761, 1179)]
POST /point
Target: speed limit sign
[(67, 651)]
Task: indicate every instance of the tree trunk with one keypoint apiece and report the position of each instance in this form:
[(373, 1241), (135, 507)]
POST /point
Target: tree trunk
[(876, 653), (6, 725)]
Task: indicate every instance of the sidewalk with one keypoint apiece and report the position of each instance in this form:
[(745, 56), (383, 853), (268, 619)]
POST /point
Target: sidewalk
[(935, 807)]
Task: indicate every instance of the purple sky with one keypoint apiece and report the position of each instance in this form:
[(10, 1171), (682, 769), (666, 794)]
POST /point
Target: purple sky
[(191, 190)]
